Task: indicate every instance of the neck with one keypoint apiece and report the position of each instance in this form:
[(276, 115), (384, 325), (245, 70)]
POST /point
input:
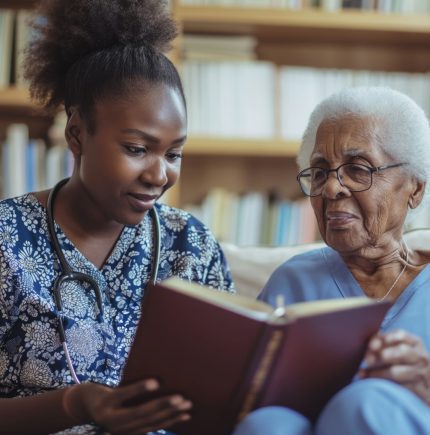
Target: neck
[(371, 260), (77, 213), (380, 274)]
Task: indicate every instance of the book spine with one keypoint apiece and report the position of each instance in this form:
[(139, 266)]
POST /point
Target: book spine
[(259, 377)]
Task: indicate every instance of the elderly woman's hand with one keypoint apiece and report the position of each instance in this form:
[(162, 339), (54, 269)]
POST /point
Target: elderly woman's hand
[(402, 358)]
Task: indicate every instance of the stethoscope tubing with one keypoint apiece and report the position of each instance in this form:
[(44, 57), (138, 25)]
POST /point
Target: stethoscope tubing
[(68, 274)]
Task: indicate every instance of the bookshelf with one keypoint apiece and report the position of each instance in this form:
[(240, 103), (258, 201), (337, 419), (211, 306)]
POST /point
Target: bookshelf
[(15, 103), (345, 39)]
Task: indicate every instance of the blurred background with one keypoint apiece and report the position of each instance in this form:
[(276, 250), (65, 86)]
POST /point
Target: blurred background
[(253, 70)]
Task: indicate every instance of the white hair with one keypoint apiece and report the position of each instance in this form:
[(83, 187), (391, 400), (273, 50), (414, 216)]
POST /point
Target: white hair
[(403, 129)]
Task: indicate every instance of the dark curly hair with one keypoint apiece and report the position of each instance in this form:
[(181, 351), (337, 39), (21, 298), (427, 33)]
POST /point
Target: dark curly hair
[(90, 49)]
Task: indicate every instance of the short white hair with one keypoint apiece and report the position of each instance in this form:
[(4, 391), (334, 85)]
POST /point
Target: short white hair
[(403, 128)]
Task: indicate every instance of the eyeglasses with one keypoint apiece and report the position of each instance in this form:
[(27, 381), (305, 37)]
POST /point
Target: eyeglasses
[(355, 177)]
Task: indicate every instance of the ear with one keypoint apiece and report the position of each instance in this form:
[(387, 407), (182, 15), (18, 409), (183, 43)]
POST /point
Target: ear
[(417, 194), (74, 130)]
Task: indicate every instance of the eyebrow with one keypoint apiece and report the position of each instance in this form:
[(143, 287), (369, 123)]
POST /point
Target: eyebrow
[(354, 152), (149, 137)]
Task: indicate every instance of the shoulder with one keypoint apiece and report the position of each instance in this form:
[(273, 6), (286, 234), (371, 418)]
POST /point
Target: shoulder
[(303, 276), (192, 249), (181, 223), (22, 223), (312, 259), (10, 207)]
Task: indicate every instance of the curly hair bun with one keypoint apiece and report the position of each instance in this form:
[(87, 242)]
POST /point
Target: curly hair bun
[(69, 30)]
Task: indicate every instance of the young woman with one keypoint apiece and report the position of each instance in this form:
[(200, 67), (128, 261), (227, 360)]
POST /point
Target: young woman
[(75, 260)]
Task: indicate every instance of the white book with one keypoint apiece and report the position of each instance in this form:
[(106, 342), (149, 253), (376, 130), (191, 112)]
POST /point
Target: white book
[(16, 144), (228, 101), (24, 34), (6, 43), (228, 46), (55, 165)]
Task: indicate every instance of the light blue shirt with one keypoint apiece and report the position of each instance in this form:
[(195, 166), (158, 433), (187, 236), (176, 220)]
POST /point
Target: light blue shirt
[(322, 274)]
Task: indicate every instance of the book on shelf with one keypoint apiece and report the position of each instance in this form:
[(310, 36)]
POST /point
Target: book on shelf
[(14, 160), (7, 17), (397, 6), (24, 34), (256, 218), (29, 165), (230, 354), (204, 47), (222, 95)]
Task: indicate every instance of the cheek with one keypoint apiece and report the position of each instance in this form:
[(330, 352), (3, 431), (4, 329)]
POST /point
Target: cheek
[(317, 206), (173, 172)]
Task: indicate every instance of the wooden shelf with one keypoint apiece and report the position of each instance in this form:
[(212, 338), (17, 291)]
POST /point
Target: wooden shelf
[(18, 4), (15, 97), (213, 146), (310, 24), (16, 107)]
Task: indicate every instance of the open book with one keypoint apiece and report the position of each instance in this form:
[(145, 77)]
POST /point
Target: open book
[(229, 354)]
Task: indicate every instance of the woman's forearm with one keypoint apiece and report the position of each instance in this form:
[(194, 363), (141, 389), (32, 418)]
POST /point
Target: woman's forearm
[(39, 414)]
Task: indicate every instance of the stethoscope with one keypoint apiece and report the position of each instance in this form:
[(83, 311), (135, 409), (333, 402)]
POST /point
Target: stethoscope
[(68, 274)]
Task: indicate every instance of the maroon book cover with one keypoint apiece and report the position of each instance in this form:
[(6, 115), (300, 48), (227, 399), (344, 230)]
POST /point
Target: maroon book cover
[(228, 361)]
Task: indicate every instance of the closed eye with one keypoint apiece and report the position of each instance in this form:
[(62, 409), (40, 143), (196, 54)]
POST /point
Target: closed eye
[(174, 156), (135, 150)]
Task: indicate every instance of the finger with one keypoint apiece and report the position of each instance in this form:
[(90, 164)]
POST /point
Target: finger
[(401, 374), (400, 336), (134, 390), (165, 425), (114, 413), (404, 354), (375, 343), (169, 423), (154, 413)]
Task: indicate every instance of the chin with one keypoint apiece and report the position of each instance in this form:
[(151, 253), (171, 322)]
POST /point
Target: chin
[(131, 220), (341, 241)]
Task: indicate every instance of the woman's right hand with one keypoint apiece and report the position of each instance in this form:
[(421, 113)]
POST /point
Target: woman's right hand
[(105, 406)]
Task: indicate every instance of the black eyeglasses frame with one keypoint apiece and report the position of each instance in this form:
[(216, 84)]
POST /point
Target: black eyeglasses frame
[(372, 170)]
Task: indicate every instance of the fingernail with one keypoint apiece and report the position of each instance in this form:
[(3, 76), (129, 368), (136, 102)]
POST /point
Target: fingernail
[(175, 400), (185, 417), (370, 360), (186, 405), (151, 384)]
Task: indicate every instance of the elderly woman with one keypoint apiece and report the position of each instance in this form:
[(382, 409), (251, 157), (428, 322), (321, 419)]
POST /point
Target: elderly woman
[(365, 162)]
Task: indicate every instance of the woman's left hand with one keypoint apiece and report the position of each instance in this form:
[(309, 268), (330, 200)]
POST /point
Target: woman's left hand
[(399, 357)]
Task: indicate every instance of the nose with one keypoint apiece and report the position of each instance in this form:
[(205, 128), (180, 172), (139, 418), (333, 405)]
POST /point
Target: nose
[(332, 188), (155, 172)]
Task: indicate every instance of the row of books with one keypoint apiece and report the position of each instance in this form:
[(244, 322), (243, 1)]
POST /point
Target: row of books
[(256, 99), (15, 34), (397, 6), (29, 165), (256, 218), (261, 219)]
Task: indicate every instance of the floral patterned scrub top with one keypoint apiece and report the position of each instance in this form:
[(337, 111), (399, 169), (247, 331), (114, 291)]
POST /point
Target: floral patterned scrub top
[(31, 356)]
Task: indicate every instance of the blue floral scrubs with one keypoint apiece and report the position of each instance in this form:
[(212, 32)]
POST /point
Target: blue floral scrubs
[(32, 359)]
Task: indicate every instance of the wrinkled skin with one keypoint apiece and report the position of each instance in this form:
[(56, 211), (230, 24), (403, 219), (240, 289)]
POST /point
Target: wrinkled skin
[(366, 229)]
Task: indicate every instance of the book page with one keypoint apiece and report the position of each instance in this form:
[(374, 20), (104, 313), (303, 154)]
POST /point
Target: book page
[(311, 308), (240, 304)]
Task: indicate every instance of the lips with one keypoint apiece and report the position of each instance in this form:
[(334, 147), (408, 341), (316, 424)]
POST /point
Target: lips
[(338, 219), (332, 215), (142, 202)]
